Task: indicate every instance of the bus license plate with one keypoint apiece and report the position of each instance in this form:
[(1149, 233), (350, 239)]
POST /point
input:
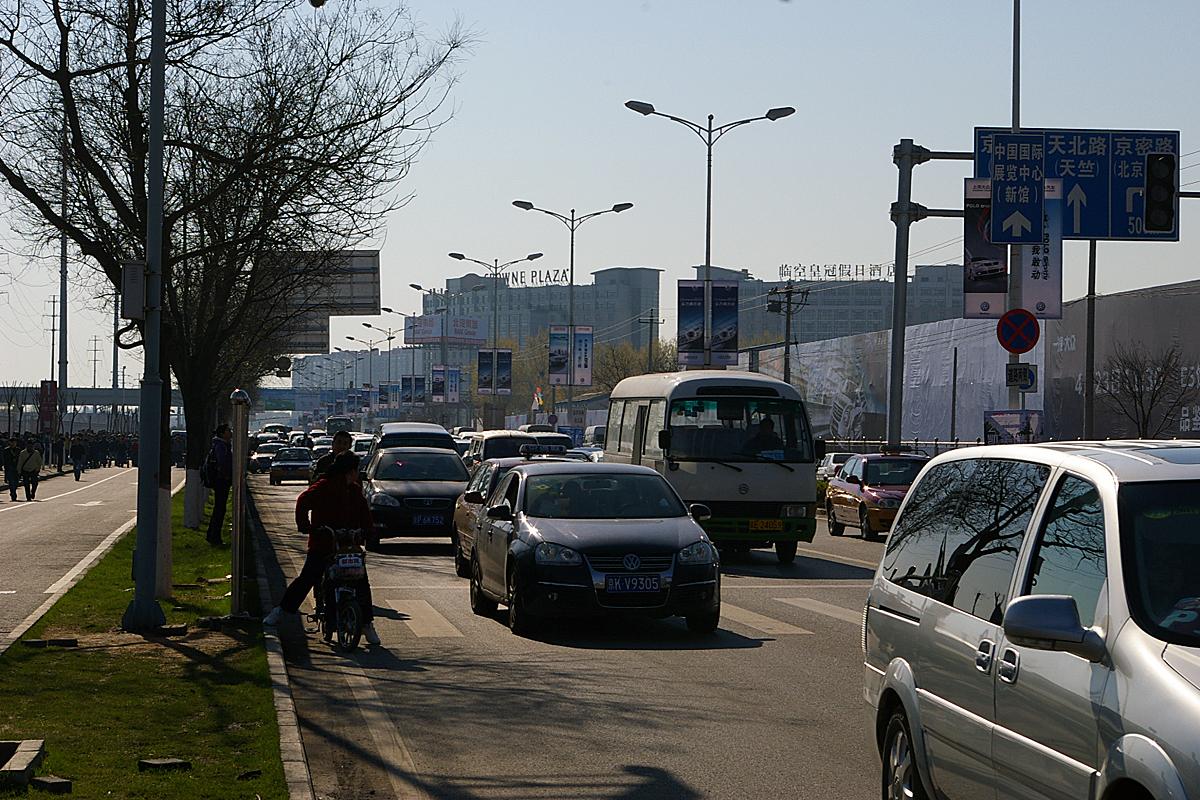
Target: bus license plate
[(625, 584), (766, 524), (428, 519)]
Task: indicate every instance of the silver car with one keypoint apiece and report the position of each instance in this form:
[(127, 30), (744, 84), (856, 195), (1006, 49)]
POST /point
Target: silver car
[(1033, 630)]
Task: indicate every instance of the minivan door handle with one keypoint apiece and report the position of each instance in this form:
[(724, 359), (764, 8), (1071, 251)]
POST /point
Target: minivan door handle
[(1010, 663), (983, 656)]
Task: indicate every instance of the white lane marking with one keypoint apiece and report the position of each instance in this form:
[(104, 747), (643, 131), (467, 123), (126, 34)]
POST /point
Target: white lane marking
[(394, 755), (728, 585), (9, 591), (828, 609), (750, 619), (423, 619), (64, 494), (855, 562), (90, 503)]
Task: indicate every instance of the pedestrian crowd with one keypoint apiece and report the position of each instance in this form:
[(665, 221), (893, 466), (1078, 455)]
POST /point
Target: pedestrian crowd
[(24, 456)]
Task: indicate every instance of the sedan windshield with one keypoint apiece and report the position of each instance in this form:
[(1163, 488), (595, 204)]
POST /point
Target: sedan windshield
[(893, 471), (739, 429), (1160, 542), (293, 454), (597, 496), (445, 466)]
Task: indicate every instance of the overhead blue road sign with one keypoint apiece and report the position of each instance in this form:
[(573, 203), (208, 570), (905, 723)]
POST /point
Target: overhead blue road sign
[(1017, 176), (1103, 174)]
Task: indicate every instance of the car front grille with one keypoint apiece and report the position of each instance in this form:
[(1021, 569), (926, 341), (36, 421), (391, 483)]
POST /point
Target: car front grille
[(656, 563), (428, 503), (632, 600)]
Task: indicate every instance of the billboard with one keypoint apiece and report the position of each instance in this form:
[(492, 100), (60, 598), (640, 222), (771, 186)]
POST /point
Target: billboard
[(484, 371), (351, 290), (581, 353), (1041, 263), (453, 378), (427, 329), (419, 390), (724, 322), (406, 391), (384, 394), (560, 355), (504, 372), (438, 380), (690, 313), (985, 265)]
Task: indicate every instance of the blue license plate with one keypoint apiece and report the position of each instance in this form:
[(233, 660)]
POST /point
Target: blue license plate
[(628, 584), (428, 520)]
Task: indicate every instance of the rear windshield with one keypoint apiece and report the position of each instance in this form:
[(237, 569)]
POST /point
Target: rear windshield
[(417, 439), (1160, 548), (505, 446), (554, 439), (420, 467), (892, 471), (293, 454)]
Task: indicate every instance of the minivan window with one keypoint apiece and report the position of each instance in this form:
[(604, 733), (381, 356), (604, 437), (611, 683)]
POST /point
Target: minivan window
[(1160, 548), (958, 538), (416, 439), (505, 446), (1070, 556)]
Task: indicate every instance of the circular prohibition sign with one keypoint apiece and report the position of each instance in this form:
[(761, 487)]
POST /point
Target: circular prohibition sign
[(1018, 331)]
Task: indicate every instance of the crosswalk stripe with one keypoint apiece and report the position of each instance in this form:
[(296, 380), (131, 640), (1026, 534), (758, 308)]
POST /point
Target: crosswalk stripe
[(750, 619), (828, 609), (423, 619)]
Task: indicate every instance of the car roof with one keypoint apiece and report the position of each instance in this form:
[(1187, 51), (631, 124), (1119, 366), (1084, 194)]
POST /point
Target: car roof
[(412, 427), (513, 461), (569, 466), (504, 435), (881, 456), (1125, 461), (409, 449)]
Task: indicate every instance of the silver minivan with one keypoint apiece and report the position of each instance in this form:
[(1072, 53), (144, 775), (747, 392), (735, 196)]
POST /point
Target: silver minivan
[(1033, 630)]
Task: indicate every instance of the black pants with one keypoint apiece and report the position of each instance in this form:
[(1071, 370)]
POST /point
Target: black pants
[(13, 480), (30, 479), (310, 578), (217, 521), (78, 464)]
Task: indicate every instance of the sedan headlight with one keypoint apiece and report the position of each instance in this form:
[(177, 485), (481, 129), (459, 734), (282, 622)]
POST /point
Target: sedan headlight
[(383, 499), (794, 511), (697, 553), (550, 553), (887, 502)]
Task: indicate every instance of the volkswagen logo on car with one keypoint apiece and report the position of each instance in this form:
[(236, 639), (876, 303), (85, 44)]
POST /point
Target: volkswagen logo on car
[(632, 562)]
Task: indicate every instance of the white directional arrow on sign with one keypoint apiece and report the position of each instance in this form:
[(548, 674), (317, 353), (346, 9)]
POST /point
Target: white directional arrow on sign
[(1077, 199), (90, 504), (1016, 223), (1130, 193)]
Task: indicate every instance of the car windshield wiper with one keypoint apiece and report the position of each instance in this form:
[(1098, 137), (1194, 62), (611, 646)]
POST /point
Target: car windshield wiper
[(773, 461), (712, 461)]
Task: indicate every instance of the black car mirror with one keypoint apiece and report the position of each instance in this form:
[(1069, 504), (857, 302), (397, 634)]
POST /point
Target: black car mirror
[(500, 512), (474, 496), (819, 449), (664, 440), (700, 512), (854, 479), (1051, 622)]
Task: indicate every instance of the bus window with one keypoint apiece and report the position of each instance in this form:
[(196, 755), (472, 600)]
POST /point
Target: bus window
[(628, 426), (739, 429), (612, 439), (655, 422)]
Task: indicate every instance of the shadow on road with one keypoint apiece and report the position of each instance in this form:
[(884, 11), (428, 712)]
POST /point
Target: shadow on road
[(763, 564), (634, 633), (418, 547)]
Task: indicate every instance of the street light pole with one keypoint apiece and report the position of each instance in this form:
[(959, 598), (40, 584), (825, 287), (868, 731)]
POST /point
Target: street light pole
[(710, 136), (572, 222)]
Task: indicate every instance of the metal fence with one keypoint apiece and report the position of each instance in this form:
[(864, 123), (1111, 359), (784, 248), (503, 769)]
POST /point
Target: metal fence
[(929, 447)]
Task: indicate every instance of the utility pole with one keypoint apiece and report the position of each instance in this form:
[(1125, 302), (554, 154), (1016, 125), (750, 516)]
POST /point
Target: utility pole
[(95, 351), (62, 281), (652, 321), (53, 329), (787, 307), (115, 350)]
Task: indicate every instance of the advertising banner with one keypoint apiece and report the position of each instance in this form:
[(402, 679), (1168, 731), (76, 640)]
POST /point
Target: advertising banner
[(384, 394), (484, 371), (985, 265), (47, 405), (427, 329), (690, 312), (438, 391), (419, 390), (504, 372), (560, 355), (582, 355), (1041, 279), (406, 391), (724, 322), (453, 377)]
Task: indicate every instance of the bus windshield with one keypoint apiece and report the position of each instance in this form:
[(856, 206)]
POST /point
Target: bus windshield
[(739, 429)]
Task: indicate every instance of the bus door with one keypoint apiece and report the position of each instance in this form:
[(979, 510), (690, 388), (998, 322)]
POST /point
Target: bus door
[(639, 434)]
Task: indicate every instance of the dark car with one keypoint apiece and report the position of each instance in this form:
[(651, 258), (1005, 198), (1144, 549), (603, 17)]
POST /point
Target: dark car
[(260, 461), (569, 539), (406, 434), (496, 444), (411, 491), (291, 464)]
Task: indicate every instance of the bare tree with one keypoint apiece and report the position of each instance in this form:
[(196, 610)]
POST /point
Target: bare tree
[(1147, 387)]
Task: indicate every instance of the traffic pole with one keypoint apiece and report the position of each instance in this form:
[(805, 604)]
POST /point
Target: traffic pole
[(902, 216), (1089, 356), (240, 401)]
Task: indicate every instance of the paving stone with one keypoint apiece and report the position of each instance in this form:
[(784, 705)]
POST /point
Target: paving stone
[(51, 784), (163, 764)]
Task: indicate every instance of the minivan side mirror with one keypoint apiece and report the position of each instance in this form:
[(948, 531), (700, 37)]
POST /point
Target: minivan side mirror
[(664, 440), (474, 497), (700, 512), (1051, 622), (500, 512), (819, 449), (854, 479)]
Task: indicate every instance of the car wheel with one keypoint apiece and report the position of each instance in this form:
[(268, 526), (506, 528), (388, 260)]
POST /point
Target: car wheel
[(785, 552), (520, 621), (864, 524), (462, 567), (481, 604), (899, 779), (373, 544), (705, 623), (835, 528)]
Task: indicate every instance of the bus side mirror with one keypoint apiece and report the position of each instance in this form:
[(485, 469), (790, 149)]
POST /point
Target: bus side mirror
[(664, 440), (819, 448)]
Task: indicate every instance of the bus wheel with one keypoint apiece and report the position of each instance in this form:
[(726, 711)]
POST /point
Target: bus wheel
[(785, 552)]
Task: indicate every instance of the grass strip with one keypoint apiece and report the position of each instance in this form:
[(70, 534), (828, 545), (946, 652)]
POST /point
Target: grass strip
[(119, 697)]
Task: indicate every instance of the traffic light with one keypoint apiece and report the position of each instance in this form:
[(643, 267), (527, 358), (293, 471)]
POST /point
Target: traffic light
[(1160, 192)]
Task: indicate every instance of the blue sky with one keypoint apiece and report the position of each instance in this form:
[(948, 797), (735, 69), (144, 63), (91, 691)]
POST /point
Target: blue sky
[(538, 115)]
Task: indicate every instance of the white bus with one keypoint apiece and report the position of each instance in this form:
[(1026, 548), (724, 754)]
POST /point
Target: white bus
[(738, 442)]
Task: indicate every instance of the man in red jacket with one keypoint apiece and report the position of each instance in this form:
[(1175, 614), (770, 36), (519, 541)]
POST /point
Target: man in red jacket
[(335, 501)]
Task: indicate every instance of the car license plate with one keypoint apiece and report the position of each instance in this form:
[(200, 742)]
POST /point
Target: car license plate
[(428, 519), (624, 584), (766, 524)]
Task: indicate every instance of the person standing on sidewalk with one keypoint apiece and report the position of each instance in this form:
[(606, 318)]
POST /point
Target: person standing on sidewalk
[(12, 476), (29, 464), (218, 474)]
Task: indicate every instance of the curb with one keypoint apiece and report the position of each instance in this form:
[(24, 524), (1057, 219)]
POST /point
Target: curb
[(291, 743)]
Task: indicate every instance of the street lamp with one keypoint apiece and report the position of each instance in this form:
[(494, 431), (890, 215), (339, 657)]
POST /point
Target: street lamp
[(495, 268), (390, 334), (709, 135), (572, 222)]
